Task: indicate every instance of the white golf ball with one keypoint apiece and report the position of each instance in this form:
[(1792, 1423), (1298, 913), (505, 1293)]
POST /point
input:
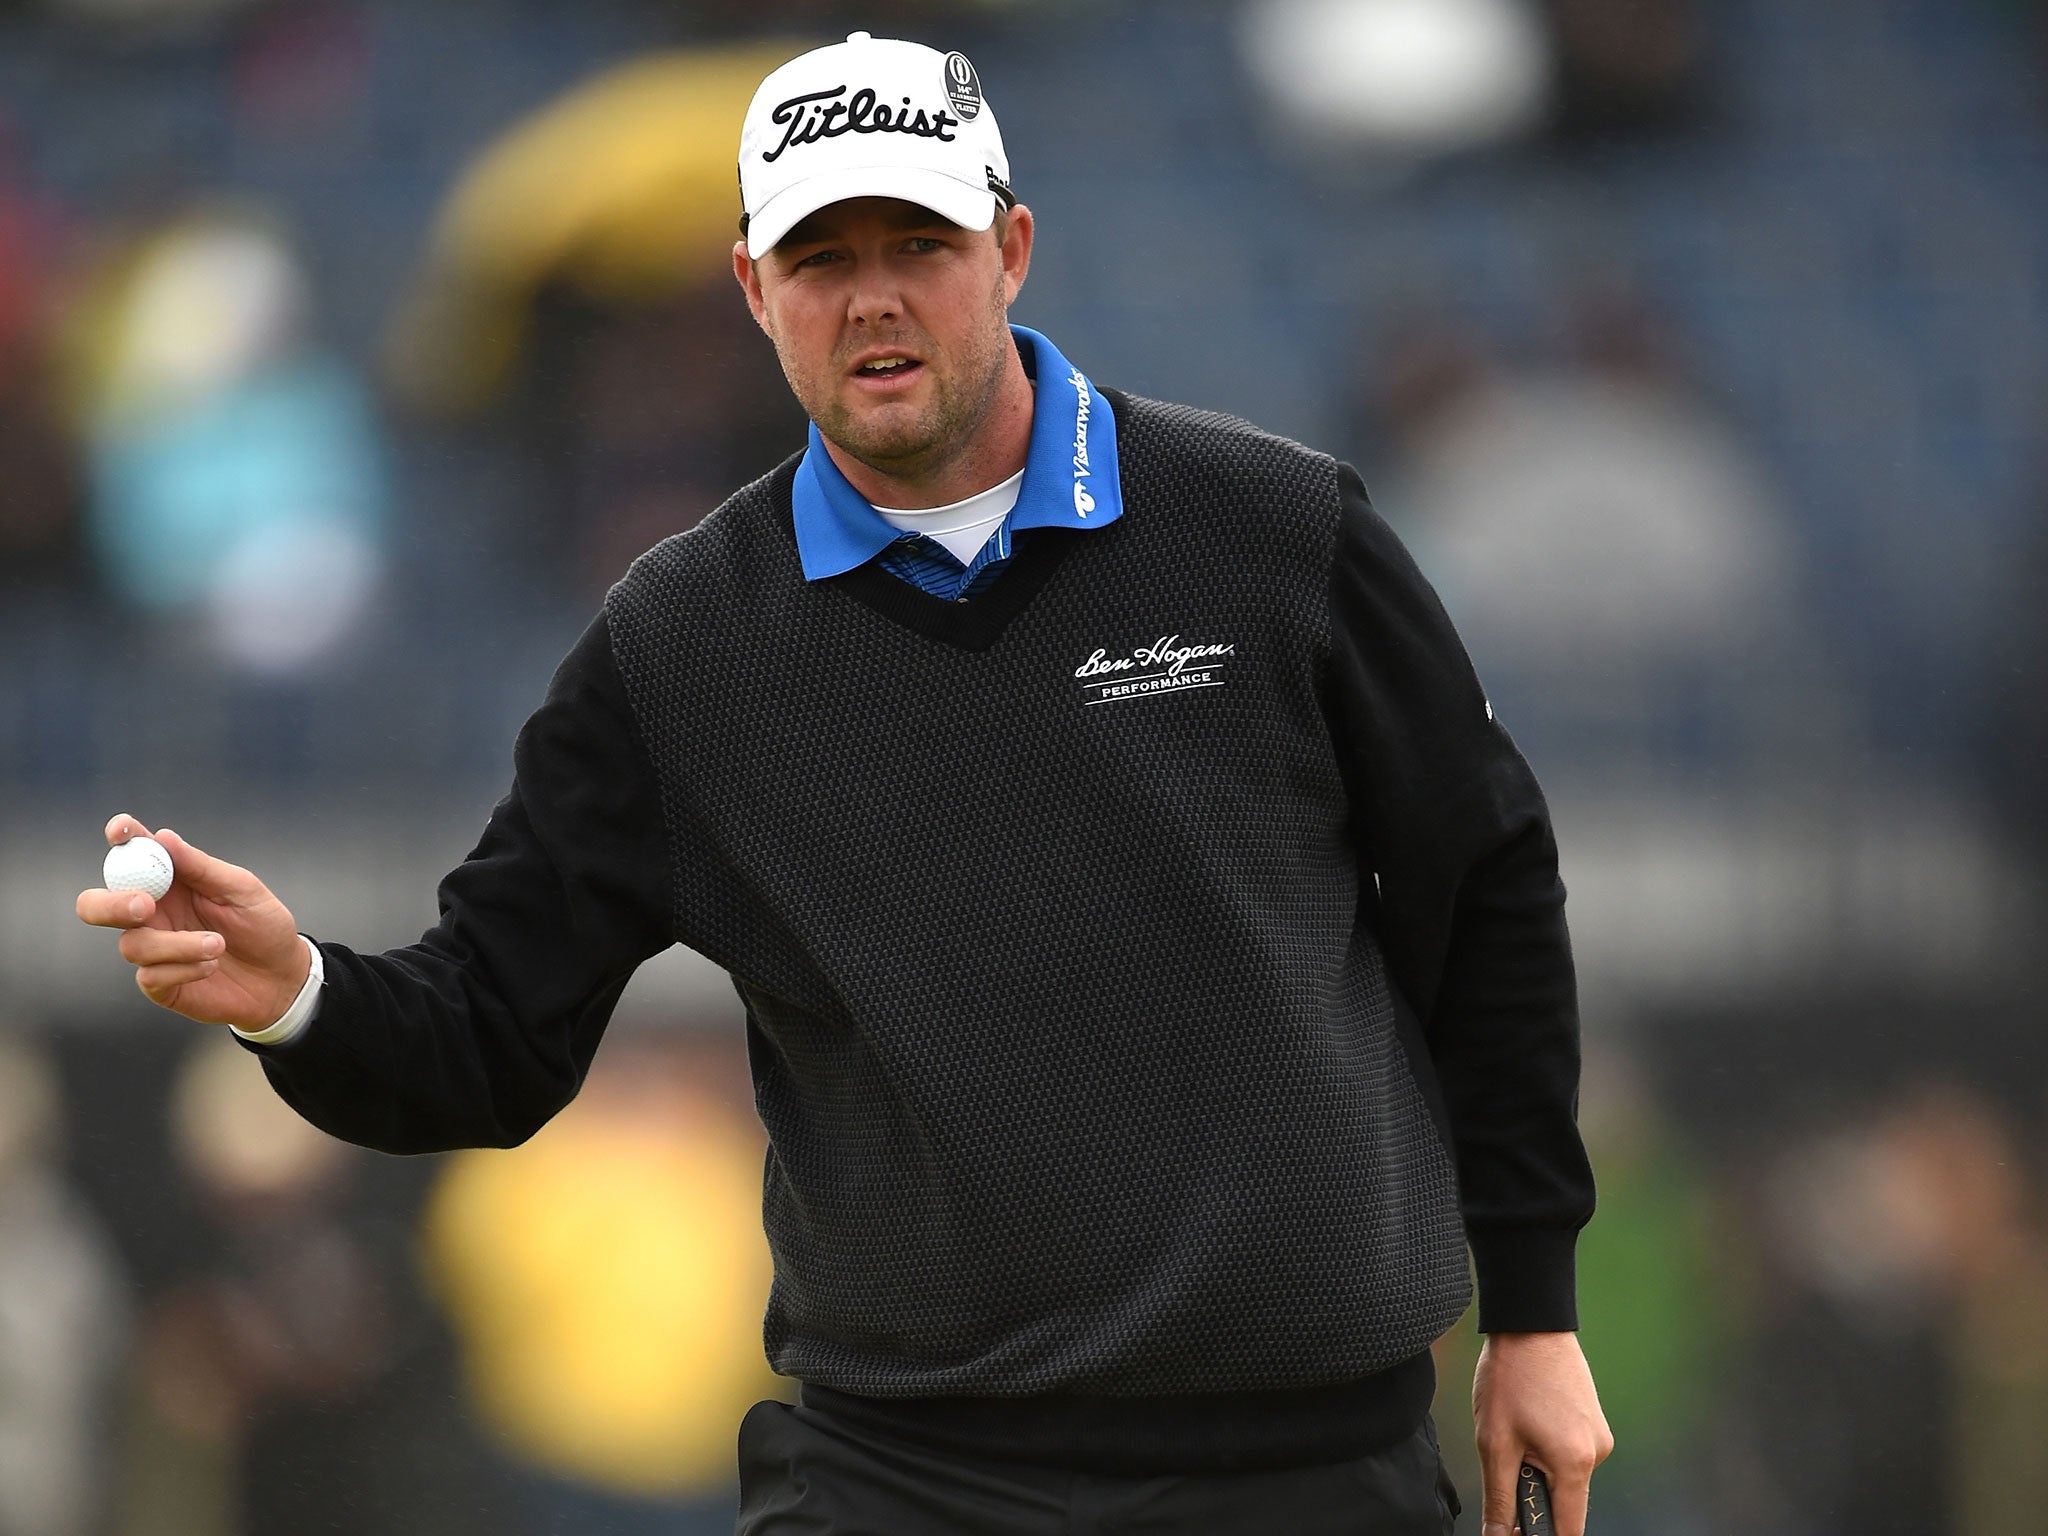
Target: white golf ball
[(140, 864)]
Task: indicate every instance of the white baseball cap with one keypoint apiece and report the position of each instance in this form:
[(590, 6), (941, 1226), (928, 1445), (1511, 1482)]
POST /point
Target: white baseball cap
[(869, 117)]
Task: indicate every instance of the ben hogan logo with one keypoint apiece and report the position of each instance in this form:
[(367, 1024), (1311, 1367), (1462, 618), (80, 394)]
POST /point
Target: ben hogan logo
[(1164, 666)]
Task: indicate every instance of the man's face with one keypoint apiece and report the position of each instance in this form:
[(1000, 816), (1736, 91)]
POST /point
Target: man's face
[(892, 325)]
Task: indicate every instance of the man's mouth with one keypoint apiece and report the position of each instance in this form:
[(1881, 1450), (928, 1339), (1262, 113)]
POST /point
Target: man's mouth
[(892, 367)]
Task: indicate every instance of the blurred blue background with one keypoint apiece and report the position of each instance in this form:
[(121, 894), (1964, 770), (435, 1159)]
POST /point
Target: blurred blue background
[(349, 349)]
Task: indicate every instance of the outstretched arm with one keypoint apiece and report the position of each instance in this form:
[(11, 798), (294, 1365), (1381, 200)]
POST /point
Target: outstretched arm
[(477, 1034)]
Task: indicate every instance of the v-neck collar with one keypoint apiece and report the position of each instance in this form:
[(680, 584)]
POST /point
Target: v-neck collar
[(976, 623)]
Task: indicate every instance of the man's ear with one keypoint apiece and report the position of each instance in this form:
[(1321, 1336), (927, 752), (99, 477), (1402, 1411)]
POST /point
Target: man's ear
[(1017, 236), (743, 268)]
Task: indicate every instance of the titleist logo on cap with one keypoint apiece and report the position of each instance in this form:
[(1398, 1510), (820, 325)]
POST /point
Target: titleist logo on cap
[(819, 115)]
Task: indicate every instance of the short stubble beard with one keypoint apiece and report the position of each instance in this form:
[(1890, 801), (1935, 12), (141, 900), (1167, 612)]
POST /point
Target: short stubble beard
[(922, 449)]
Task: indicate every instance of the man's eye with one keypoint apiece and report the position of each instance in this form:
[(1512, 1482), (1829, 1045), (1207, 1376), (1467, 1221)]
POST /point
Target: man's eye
[(819, 259), (923, 244)]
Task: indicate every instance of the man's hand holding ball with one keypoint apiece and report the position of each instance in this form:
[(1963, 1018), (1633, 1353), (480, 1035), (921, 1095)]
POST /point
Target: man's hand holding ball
[(207, 938)]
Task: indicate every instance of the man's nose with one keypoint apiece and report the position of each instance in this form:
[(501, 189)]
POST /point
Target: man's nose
[(876, 298)]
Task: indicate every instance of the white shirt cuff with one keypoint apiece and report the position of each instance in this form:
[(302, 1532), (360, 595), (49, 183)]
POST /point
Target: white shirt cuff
[(301, 1012)]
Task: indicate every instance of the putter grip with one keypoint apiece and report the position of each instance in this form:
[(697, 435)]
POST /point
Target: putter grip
[(1532, 1502)]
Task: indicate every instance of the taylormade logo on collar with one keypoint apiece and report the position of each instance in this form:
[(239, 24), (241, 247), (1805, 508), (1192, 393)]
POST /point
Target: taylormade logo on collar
[(1083, 502), (1070, 472), (869, 117)]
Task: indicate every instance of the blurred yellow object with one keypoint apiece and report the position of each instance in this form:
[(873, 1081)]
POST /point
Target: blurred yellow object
[(607, 1281), (626, 188)]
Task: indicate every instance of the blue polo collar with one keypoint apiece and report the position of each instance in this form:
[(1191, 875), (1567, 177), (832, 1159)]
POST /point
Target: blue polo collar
[(1070, 478)]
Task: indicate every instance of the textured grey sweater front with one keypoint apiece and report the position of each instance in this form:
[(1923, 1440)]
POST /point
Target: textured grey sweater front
[(1079, 1068)]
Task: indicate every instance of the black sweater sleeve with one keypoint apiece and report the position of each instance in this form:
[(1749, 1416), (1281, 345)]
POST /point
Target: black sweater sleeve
[(1470, 915), (480, 1032)]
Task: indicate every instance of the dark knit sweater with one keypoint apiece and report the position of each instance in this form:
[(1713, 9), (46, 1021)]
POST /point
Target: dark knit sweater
[(1097, 1073)]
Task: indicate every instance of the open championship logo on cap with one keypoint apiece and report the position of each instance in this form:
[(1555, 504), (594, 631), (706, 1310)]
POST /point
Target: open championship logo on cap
[(963, 87)]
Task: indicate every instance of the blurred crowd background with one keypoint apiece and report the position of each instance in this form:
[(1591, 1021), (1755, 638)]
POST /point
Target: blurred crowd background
[(350, 348)]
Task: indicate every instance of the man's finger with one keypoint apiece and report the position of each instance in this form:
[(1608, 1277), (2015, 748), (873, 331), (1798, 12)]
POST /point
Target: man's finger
[(166, 979), (1497, 1473), (123, 827), (1569, 1495), (166, 946), (114, 909)]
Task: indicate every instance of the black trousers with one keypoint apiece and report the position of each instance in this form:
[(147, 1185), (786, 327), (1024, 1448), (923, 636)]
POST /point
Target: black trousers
[(804, 1475)]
